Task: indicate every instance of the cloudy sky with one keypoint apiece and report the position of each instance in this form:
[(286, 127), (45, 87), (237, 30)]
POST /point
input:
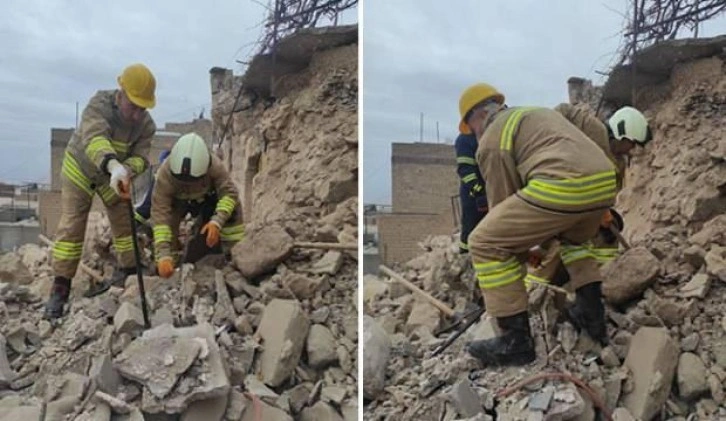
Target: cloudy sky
[(57, 52), (420, 55)]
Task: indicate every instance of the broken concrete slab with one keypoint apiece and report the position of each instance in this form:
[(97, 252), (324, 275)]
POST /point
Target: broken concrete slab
[(692, 376), (58, 409), (104, 374), (302, 286), (261, 251), (207, 379), (376, 352), (212, 409), (81, 329), (128, 319), (333, 394), (259, 389), (321, 347), (330, 263), (119, 406), (716, 262), (158, 363), (25, 412), (652, 360), (235, 406), (464, 399), (13, 270), (162, 316), (697, 287), (425, 315), (266, 412), (283, 329), (373, 288), (622, 414), (630, 275), (7, 375), (540, 401), (224, 312), (321, 411)]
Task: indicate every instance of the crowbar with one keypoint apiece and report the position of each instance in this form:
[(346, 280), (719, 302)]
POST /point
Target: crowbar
[(448, 311)]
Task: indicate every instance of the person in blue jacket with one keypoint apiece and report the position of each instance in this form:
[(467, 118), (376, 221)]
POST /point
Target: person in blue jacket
[(143, 211), (472, 194)]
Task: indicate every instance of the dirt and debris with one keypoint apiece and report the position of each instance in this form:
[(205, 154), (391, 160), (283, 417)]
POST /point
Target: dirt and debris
[(271, 335), (665, 297)]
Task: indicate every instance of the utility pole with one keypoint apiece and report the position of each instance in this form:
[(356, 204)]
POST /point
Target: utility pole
[(420, 135), (437, 131)]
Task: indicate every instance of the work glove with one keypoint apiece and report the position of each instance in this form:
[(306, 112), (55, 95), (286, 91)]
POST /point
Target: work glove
[(165, 267), (120, 179), (211, 228)]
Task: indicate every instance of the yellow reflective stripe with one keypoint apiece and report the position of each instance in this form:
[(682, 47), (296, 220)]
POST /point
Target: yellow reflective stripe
[(120, 147), (576, 191), (162, 233), (532, 279), (97, 147), (496, 274), (571, 254), (477, 187), (136, 163), (139, 218), (106, 193), (226, 204), (463, 245), (71, 169), (605, 254), (506, 140), (66, 250), (465, 160), (233, 233), (123, 244), (468, 178)]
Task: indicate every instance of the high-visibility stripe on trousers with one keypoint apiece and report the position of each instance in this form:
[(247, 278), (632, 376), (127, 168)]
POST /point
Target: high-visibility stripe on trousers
[(499, 243), (76, 200)]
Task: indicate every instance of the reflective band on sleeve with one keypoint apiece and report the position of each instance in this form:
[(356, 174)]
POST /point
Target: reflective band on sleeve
[(67, 250), (226, 204), (468, 178), (123, 244), (98, 147), (162, 234), (233, 233), (72, 170), (137, 164), (465, 160)]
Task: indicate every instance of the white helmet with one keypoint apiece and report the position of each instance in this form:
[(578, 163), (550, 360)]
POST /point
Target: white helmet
[(189, 158), (630, 124)]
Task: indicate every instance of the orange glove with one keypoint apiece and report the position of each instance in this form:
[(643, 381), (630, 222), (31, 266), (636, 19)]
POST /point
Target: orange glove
[(165, 267), (211, 228), (607, 219)]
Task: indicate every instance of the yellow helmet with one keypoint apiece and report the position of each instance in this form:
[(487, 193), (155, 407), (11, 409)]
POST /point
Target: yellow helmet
[(139, 85), (473, 95)]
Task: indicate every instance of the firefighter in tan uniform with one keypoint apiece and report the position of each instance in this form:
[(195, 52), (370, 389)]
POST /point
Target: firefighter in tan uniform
[(545, 179), (105, 152), (190, 181), (623, 131)]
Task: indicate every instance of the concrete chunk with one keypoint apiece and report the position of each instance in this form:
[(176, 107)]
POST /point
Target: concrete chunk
[(157, 363), (321, 347), (7, 375), (424, 315), (212, 409), (105, 375), (321, 411), (267, 413), (207, 380), (465, 400), (376, 352), (692, 376), (223, 310), (330, 263), (629, 275), (128, 319), (697, 287), (262, 251), (652, 360), (283, 329)]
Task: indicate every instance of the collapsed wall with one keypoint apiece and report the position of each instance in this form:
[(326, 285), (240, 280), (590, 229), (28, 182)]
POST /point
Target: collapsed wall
[(666, 295), (271, 336)]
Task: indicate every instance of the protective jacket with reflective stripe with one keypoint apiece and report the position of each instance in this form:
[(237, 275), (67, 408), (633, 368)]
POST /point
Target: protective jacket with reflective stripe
[(548, 162), (170, 192), (584, 119), (103, 133)]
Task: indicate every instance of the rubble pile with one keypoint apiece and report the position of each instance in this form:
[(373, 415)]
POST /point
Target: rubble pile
[(665, 296), (271, 335)]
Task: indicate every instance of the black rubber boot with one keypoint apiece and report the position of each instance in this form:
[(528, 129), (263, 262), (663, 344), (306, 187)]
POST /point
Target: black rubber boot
[(588, 313), (514, 347), (58, 298)]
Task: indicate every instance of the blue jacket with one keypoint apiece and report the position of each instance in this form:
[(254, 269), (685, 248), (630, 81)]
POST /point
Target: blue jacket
[(472, 183)]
